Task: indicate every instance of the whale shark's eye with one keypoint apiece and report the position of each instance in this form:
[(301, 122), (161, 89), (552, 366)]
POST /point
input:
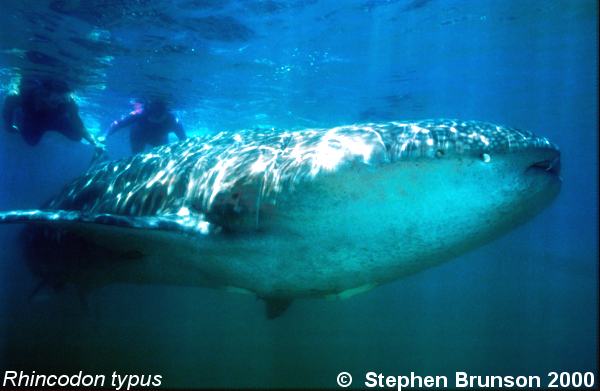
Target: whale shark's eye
[(439, 153), (486, 157)]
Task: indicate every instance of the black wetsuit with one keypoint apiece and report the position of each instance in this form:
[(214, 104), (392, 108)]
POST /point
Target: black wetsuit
[(40, 107), (148, 128)]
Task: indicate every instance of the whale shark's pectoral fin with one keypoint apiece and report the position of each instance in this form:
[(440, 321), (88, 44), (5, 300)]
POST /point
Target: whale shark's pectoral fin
[(276, 307), (195, 224)]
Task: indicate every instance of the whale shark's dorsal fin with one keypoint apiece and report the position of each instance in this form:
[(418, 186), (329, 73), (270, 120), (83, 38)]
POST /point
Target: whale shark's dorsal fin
[(195, 224)]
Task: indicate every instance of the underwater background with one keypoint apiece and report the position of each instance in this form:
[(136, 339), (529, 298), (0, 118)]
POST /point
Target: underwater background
[(525, 304)]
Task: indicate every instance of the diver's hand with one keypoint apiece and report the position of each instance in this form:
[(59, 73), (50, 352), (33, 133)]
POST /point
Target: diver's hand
[(99, 147), (98, 144), (99, 151), (99, 154)]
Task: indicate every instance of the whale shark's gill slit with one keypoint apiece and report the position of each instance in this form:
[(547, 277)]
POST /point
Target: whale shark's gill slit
[(257, 214), (259, 197)]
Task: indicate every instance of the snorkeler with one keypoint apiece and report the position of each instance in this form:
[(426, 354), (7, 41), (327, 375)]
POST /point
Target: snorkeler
[(41, 106), (150, 125)]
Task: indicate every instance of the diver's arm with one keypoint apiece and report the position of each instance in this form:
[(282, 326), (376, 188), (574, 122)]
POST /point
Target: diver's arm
[(10, 105), (178, 129), (86, 135), (78, 124), (116, 125), (90, 139)]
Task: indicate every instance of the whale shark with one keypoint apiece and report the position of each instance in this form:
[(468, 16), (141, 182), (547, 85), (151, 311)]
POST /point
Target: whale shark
[(292, 214)]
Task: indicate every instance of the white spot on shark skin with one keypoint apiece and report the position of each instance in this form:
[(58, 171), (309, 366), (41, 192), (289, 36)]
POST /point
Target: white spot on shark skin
[(203, 227), (149, 156), (418, 129), (156, 178), (159, 175), (183, 212), (258, 166), (335, 147)]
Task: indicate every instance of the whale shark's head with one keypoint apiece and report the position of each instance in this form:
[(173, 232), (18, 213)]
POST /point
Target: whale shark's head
[(499, 161), (416, 193), (486, 167), (452, 185)]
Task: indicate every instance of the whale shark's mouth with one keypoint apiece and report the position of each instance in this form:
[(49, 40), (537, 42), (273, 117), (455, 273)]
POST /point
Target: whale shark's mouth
[(549, 166)]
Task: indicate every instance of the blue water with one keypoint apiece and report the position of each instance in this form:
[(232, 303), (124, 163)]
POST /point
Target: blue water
[(525, 304)]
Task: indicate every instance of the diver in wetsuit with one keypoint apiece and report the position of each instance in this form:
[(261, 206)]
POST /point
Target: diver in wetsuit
[(41, 106), (150, 125)]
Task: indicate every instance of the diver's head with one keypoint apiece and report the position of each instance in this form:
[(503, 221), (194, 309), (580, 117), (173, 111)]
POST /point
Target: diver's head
[(56, 93), (45, 93), (55, 99), (56, 86), (156, 107), (44, 85)]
